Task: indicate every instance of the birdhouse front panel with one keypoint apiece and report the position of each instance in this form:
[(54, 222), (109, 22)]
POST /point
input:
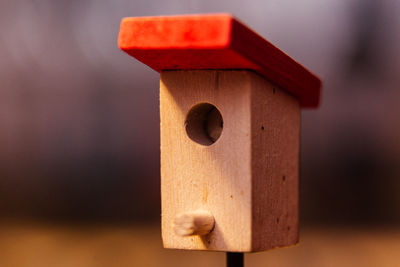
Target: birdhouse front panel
[(229, 149)]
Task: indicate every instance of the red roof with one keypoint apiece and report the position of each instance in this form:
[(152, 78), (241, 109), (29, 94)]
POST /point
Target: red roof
[(214, 42)]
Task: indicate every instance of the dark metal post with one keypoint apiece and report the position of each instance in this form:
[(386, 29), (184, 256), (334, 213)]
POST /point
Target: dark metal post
[(234, 259)]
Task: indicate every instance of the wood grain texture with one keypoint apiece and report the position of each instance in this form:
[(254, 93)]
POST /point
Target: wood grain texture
[(217, 41), (275, 133), (215, 178), (238, 179)]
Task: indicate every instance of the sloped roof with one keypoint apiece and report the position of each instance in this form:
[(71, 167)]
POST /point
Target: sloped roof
[(217, 41)]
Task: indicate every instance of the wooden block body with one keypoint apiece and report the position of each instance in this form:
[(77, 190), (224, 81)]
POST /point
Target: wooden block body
[(248, 178)]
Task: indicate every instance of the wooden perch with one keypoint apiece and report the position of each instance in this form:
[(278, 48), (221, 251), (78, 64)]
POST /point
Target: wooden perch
[(194, 223)]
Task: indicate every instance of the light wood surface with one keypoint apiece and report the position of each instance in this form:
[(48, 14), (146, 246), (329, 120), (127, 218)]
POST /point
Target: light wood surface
[(275, 144), (239, 178), (215, 178)]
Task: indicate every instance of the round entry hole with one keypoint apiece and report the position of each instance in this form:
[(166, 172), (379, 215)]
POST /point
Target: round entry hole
[(204, 124)]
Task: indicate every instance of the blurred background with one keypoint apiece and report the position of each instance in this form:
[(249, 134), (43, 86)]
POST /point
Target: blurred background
[(79, 138)]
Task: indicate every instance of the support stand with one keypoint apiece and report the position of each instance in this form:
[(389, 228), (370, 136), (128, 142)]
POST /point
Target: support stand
[(234, 259)]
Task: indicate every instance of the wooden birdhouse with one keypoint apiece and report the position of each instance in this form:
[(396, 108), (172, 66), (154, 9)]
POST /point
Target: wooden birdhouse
[(230, 106)]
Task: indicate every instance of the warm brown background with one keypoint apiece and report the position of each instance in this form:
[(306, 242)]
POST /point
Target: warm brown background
[(79, 131)]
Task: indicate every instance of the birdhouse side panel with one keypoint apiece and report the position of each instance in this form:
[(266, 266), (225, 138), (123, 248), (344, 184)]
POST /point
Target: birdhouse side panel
[(275, 165)]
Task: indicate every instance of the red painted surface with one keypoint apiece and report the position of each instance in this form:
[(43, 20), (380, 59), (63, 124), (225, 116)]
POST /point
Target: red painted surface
[(214, 42)]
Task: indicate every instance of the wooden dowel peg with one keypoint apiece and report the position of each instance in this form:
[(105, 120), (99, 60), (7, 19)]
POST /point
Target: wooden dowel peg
[(194, 223)]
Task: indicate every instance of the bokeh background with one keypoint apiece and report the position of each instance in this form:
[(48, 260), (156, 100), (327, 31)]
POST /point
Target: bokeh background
[(79, 133)]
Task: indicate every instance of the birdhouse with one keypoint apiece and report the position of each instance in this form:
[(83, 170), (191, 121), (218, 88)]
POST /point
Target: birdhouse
[(230, 106)]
